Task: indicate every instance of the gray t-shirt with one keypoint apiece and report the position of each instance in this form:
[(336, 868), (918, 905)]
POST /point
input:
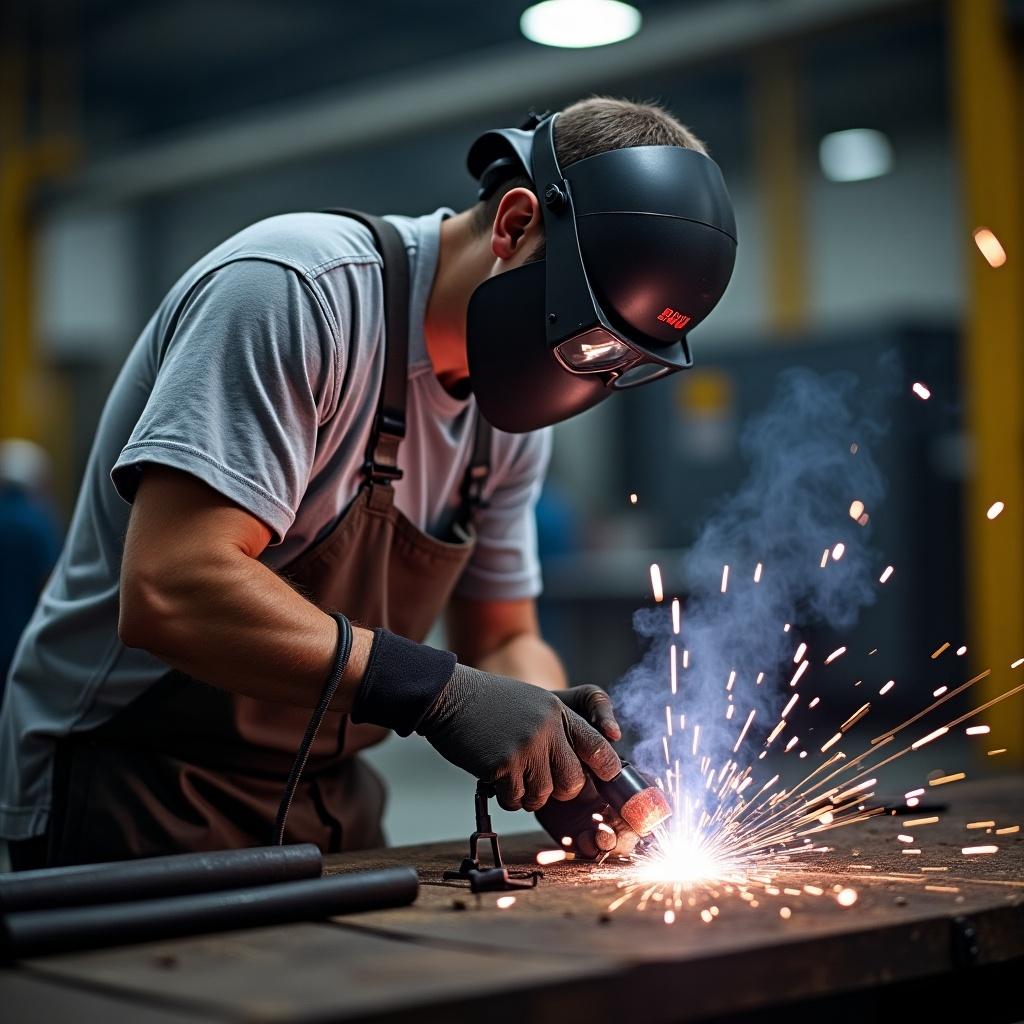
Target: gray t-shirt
[(258, 374)]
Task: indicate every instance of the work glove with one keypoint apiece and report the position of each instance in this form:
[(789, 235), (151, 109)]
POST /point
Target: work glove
[(588, 836), (531, 744), (574, 819)]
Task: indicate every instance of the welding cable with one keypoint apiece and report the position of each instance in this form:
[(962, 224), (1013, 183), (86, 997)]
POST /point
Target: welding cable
[(341, 656)]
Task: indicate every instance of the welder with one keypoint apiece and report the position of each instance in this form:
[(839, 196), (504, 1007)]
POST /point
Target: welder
[(334, 429)]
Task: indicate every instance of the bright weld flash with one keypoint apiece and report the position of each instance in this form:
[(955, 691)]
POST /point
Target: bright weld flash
[(886, 574), (994, 509), (856, 509), (921, 391)]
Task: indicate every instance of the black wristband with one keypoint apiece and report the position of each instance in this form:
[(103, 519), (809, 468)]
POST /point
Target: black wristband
[(401, 682)]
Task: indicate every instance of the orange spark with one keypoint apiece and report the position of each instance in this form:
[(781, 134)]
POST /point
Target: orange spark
[(846, 897), (990, 247), (551, 856), (656, 588), (943, 779)]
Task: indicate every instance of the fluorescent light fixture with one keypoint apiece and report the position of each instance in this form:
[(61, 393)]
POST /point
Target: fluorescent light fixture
[(579, 23), (856, 154)]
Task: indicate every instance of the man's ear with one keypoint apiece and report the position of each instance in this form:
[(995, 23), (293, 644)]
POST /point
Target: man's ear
[(518, 225)]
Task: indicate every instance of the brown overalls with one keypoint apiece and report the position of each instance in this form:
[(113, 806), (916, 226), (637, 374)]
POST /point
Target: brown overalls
[(188, 766)]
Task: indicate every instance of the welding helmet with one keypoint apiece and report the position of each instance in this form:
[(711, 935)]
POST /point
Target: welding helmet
[(640, 245)]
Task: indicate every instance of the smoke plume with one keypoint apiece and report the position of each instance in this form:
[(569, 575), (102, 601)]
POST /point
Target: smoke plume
[(794, 504)]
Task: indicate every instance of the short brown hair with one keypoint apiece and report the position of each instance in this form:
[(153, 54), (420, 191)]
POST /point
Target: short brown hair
[(599, 124)]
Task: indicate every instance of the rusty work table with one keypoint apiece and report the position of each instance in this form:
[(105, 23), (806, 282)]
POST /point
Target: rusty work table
[(558, 955)]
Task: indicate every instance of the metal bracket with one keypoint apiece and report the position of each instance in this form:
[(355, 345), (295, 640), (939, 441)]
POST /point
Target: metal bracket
[(496, 878)]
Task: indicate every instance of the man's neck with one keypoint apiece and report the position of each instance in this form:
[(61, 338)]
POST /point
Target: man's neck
[(463, 262)]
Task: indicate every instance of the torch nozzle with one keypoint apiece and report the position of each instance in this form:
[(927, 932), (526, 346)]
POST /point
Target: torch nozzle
[(641, 805)]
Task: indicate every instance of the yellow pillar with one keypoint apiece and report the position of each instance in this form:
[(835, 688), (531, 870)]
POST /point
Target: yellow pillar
[(16, 361), (987, 96), (33, 403), (779, 177)]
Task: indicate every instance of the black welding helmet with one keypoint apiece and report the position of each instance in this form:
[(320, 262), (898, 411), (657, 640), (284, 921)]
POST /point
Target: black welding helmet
[(640, 245)]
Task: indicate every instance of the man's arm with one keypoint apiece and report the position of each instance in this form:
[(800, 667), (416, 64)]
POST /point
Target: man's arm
[(194, 595), (503, 637)]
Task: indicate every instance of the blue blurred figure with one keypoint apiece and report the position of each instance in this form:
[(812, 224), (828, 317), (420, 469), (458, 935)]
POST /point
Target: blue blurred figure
[(29, 540)]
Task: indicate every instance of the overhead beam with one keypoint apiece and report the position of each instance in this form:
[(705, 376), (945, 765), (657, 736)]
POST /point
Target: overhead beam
[(429, 97)]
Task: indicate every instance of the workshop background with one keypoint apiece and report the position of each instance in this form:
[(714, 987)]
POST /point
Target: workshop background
[(867, 144)]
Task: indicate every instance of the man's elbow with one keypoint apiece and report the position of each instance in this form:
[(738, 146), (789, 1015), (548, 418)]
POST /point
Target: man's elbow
[(146, 610)]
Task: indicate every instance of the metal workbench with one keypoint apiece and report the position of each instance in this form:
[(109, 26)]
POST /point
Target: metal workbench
[(902, 951)]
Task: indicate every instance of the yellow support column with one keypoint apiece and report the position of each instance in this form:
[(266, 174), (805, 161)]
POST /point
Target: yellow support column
[(16, 348), (987, 95), (779, 175)]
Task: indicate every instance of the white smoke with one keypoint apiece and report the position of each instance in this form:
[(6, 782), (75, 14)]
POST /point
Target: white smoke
[(793, 505)]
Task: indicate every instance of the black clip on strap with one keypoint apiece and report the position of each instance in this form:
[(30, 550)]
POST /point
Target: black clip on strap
[(381, 465)]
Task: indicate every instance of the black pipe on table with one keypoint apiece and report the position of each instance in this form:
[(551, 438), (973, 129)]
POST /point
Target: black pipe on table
[(39, 932), (176, 875)]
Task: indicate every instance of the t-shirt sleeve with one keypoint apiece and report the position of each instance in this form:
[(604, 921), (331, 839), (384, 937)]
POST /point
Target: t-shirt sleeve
[(505, 565), (248, 374)]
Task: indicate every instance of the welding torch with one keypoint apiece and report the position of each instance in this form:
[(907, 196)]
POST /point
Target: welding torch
[(641, 805)]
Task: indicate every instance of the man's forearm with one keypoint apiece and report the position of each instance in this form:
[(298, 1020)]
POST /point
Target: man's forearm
[(235, 624), (529, 658)]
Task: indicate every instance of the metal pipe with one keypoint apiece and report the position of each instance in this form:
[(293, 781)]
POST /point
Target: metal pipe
[(177, 875), (41, 932)]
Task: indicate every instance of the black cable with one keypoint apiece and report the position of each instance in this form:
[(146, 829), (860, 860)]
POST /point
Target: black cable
[(341, 656)]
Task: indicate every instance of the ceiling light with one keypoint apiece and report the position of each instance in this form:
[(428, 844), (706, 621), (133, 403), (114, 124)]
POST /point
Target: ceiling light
[(855, 155), (579, 23)]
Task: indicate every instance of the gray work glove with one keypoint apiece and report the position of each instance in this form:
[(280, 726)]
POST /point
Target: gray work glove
[(574, 819), (525, 740)]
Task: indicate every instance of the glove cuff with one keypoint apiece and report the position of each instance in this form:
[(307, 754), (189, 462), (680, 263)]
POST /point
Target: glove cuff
[(402, 681)]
